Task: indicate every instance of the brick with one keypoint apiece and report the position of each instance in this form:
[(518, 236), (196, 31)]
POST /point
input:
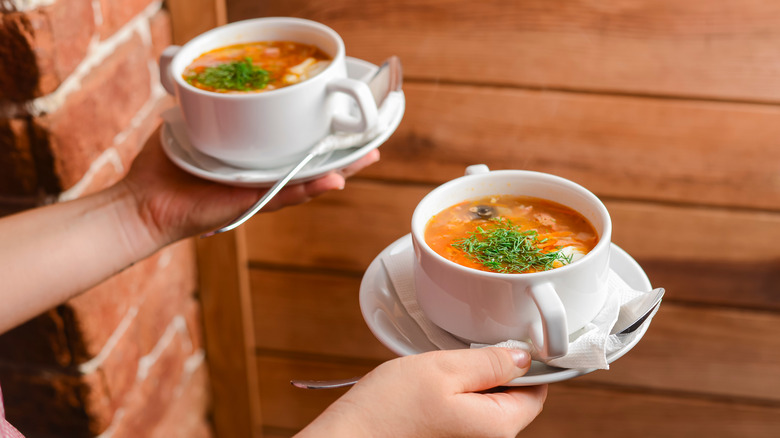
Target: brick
[(193, 316), (44, 404), (40, 342), (136, 139), (186, 415), (85, 126), (18, 176), (118, 13), (131, 143), (40, 48), (145, 407), (154, 285), (160, 29), (120, 368)]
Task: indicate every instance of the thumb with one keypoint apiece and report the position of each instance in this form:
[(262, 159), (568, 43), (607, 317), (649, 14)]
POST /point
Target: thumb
[(484, 368)]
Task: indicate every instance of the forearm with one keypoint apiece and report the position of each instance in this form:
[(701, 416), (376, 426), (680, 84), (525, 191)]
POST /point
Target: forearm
[(51, 254)]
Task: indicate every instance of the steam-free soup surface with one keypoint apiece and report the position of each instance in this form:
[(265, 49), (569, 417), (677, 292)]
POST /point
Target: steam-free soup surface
[(255, 67), (510, 234)]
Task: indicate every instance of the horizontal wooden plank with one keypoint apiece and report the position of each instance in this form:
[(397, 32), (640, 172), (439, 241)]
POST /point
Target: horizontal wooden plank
[(700, 350), (340, 230), (285, 406), (724, 352), (719, 154), (571, 410), (225, 295), (346, 230), (720, 49), (311, 313), (587, 412), (275, 432), (747, 285)]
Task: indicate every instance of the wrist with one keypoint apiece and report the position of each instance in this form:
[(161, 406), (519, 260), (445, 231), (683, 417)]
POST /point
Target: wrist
[(137, 230)]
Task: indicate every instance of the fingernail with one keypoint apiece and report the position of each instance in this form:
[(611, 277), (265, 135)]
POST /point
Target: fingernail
[(521, 357)]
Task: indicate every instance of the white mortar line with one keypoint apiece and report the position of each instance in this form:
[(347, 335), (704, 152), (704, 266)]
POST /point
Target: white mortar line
[(190, 366), (98, 11), (91, 365), (109, 156), (177, 325), (157, 92), (97, 53), (24, 5), (141, 115), (166, 255), (194, 361), (115, 420)]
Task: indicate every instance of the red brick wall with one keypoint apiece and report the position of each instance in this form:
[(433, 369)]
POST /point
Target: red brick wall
[(79, 93)]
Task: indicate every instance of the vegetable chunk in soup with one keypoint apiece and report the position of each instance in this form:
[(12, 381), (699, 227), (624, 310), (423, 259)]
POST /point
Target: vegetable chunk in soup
[(510, 234), (255, 67)]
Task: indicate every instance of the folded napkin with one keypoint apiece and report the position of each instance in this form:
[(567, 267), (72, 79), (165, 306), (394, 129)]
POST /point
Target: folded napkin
[(335, 141), (589, 347)]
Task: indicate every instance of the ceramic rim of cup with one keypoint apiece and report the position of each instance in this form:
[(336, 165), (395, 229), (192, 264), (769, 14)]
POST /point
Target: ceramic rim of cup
[(210, 40), (419, 236)]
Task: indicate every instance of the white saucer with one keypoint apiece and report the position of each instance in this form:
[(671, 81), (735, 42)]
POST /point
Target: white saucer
[(182, 155), (391, 324)]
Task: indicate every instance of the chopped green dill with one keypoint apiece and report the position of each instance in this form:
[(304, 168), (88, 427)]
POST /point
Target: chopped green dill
[(241, 75), (503, 247)]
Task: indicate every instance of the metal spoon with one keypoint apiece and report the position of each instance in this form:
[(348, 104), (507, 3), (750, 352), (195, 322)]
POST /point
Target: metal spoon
[(387, 78), (651, 301)]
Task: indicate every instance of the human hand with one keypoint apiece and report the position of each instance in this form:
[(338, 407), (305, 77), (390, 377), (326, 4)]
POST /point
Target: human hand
[(436, 394), (174, 204)]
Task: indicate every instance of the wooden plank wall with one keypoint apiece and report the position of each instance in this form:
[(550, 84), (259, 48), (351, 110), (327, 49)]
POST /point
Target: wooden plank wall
[(668, 110)]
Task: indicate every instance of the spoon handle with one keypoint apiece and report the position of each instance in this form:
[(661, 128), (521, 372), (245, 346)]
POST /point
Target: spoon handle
[(276, 188), (324, 384), (630, 328)]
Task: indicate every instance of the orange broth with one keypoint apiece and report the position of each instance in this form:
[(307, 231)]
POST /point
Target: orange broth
[(561, 226), (287, 62)]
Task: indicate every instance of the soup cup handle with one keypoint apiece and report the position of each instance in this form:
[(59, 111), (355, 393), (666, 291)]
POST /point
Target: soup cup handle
[(359, 91), (475, 169), (550, 335), (166, 77)]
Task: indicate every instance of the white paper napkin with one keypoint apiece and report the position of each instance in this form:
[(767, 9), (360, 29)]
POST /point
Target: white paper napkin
[(335, 141), (588, 348)]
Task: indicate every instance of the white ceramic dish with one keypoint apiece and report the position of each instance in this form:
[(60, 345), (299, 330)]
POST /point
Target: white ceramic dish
[(182, 155), (391, 324)]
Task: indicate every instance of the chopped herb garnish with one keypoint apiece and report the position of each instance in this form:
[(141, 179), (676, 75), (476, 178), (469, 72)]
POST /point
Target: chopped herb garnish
[(503, 247), (240, 75)]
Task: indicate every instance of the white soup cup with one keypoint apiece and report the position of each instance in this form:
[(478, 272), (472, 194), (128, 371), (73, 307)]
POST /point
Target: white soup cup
[(487, 307), (272, 128)]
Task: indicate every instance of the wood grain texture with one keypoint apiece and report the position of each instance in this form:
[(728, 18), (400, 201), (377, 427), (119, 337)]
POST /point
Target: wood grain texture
[(351, 227), (714, 352), (280, 394), (313, 313), (588, 411), (699, 153), (667, 110), (228, 335), (722, 49), (190, 18), (685, 349)]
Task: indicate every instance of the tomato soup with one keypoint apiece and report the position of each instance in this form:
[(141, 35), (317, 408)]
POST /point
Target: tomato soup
[(255, 67), (510, 234)]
